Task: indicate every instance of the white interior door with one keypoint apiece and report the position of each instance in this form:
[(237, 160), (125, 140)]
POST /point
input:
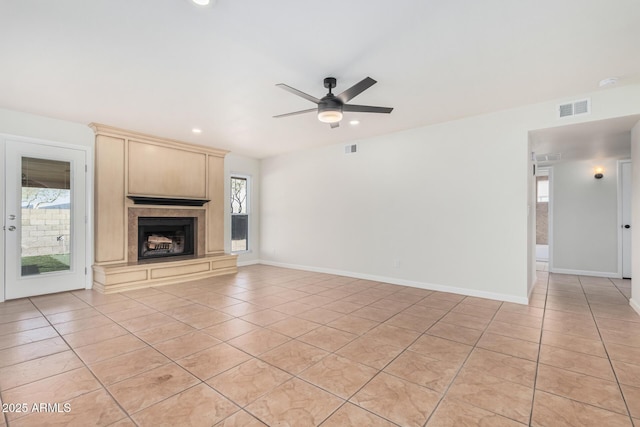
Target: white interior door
[(45, 219), (625, 174)]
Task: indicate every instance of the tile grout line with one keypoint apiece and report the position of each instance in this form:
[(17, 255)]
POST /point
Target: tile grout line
[(348, 400), (378, 323), (252, 356), (615, 375), (571, 399), (83, 363), (403, 351), (171, 360), (474, 347), (535, 378), (104, 387), (453, 379), (293, 376), (494, 351)]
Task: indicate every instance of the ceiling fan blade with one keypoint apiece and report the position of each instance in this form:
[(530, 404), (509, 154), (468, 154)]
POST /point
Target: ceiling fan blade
[(299, 93), (295, 113), (356, 90), (366, 109), (334, 125)]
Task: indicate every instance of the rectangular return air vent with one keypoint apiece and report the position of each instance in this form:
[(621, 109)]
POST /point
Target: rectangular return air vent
[(548, 157), (351, 148), (574, 108)]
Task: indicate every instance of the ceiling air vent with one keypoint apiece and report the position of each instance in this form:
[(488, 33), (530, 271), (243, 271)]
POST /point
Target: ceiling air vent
[(351, 148), (548, 157), (574, 108)]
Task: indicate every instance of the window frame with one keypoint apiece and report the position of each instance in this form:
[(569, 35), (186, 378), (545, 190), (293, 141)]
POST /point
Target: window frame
[(247, 213)]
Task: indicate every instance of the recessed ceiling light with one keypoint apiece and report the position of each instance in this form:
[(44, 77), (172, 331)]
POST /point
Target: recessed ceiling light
[(354, 122), (201, 2), (610, 81), (196, 130)]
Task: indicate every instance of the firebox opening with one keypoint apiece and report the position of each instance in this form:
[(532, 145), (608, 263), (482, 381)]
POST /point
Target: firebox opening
[(165, 237)]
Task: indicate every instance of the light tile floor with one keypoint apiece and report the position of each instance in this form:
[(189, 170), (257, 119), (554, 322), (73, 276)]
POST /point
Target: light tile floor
[(542, 266), (283, 347)]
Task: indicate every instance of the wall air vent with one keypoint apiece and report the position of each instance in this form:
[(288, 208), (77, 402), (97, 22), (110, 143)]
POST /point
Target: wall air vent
[(574, 108), (351, 149)]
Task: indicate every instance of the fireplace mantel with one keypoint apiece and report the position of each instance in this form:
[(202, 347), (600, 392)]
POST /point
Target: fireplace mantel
[(144, 175), (166, 201)]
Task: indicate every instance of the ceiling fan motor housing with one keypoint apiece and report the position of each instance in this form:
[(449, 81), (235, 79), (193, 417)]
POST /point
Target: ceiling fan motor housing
[(330, 102), (330, 109)]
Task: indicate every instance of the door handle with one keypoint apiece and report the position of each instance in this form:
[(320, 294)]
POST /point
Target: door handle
[(12, 228), (627, 226)]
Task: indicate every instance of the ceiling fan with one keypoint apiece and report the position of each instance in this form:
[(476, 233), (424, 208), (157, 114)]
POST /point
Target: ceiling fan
[(330, 107)]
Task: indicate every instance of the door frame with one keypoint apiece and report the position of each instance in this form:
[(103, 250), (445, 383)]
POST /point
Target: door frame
[(88, 199), (620, 221)]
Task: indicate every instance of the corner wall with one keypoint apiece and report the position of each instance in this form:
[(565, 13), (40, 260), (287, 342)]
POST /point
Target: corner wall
[(444, 207)]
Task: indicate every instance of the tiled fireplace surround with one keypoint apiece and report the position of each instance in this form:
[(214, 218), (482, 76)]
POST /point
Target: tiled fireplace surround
[(135, 213)]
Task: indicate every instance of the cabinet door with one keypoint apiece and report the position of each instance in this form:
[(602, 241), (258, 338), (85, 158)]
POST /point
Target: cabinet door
[(155, 170)]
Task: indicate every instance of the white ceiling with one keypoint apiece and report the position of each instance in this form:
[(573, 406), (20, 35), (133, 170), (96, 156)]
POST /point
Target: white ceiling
[(166, 66), (600, 139)]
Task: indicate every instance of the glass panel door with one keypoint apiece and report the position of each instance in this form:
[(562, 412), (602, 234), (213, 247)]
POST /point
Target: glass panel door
[(45, 230)]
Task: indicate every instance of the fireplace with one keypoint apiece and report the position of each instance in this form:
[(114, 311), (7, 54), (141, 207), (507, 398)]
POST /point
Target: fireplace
[(161, 237)]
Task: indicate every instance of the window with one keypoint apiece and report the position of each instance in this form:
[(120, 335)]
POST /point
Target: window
[(543, 190), (239, 214)]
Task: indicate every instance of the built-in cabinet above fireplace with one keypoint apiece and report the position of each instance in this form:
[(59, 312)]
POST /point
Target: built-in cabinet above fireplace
[(142, 176)]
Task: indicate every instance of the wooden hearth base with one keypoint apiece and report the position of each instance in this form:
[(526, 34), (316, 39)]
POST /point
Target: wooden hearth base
[(109, 279)]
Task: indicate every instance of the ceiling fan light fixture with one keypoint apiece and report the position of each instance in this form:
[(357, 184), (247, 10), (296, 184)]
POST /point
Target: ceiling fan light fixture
[(330, 106), (201, 2), (330, 116)]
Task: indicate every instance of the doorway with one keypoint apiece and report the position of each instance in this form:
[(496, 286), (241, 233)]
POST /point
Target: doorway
[(588, 228), (45, 228), (543, 218)]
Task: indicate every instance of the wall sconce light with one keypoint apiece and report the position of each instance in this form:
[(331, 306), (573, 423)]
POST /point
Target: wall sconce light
[(599, 173)]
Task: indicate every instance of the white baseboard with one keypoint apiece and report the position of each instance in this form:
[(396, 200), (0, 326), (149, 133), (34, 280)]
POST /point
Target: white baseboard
[(402, 282), (608, 274), (250, 262), (634, 305)]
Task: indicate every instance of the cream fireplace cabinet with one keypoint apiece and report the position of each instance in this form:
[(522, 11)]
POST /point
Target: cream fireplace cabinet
[(143, 179)]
